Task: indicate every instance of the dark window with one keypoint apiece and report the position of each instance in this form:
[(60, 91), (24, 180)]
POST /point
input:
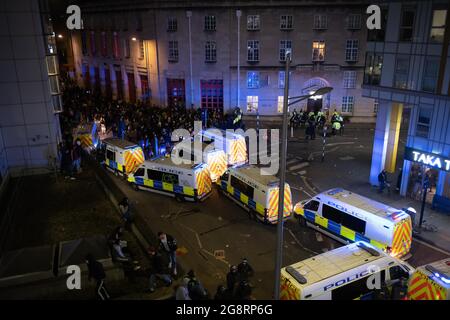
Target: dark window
[(353, 223), (313, 205), (332, 213), (84, 43), (110, 155), (139, 172), (407, 24), (154, 175), (424, 122), (379, 34), (225, 176), (396, 272), (354, 289), (242, 187)]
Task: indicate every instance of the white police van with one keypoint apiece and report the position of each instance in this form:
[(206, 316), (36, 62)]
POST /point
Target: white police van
[(348, 217), (351, 272)]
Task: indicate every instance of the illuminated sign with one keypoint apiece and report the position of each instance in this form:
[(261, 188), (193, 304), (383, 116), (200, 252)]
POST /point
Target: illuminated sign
[(429, 159)]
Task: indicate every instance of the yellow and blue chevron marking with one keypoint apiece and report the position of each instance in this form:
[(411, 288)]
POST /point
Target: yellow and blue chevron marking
[(163, 186), (243, 198), (338, 229)]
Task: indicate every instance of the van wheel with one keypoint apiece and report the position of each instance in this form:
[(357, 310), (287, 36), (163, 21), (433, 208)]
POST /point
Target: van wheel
[(116, 173), (301, 221), (179, 198), (135, 186)]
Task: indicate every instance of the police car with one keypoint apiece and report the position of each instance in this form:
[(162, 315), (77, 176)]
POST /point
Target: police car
[(351, 272)]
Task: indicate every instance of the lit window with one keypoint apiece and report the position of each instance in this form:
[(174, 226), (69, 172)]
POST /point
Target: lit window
[(172, 24), (318, 53), (354, 22), (372, 72), (280, 104), (210, 23), (320, 22), (141, 49), (349, 79), (347, 104), (286, 22), (285, 45), (252, 79), (253, 22), (438, 25), (281, 75), (252, 103), (253, 50), (351, 50), (210, 51), (173, 51)]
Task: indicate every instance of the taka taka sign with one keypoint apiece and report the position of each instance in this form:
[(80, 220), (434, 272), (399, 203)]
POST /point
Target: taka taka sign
[(428, 159)]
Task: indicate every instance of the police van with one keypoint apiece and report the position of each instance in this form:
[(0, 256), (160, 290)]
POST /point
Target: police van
[(256, 193), (181, 181), (122, 156), (346, 217), (88, 136), (215, 159), (232, 144), (430, 282), (351, 272)]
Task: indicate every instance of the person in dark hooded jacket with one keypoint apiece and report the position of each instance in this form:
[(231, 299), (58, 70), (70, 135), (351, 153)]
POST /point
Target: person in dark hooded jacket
[(97, 272)]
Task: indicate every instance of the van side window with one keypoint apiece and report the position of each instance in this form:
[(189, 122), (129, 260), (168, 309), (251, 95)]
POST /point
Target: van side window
[(332, 213), (154, 175), (110, 155), (313, 205), (396, 272), (353, 223), (355, 289), (139, 172), (242, 187), (225, 176)]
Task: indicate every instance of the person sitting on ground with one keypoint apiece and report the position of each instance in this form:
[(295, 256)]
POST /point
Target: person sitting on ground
[(182, 292), (157, 270)]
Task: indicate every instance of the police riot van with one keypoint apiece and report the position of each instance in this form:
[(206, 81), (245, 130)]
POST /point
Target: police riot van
[(430, 282), (347, 217), (232, 144), (351, 272), (181, 181), (88, 135), (256, 193), (215, 159), (122, 156)]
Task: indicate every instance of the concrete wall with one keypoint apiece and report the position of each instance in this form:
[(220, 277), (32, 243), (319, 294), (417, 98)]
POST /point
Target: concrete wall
[(28, 126)]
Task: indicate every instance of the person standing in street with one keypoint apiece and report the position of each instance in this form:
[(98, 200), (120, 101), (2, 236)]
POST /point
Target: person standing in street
[(168, 244), (245, 270), (76, 156), (97, 272), (232, 280), (382, 180)]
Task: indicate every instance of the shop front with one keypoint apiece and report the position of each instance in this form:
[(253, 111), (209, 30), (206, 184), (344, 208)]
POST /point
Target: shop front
[(426, 169)]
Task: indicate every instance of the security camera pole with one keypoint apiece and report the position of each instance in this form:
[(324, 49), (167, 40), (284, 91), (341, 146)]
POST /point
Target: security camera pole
[(286, 103), (279, 250)]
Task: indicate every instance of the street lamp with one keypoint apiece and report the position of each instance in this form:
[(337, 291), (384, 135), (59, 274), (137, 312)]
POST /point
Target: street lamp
[(279, 249)]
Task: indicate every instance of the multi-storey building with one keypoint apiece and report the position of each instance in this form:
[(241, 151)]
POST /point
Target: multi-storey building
[(29, 89), (408, 68), (223, 54)]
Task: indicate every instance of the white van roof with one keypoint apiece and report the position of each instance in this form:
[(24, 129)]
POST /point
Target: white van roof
[(254, 173), (377, 208), (123, 144), (168, 162), (224, 133), (334, 262)]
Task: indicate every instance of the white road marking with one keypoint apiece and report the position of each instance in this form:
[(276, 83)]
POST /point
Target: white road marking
[(298, 166), (431, 246)]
